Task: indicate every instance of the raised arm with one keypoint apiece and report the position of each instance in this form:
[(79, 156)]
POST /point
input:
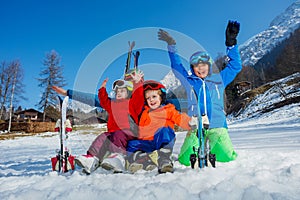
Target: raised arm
[(83, 97), (178, 69), (103, 96), (137, 99), (234, 65)]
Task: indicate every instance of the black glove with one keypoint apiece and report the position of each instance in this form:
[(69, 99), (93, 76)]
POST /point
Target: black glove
[(232, 30), (165, 36)]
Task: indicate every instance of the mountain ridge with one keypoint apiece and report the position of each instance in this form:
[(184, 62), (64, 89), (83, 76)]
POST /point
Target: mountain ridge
[(280, 29)]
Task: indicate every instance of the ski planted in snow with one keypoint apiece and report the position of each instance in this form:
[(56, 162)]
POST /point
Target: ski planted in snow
[(64, 161), (202, 152)]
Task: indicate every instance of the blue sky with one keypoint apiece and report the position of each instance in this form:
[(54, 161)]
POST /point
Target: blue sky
[(30, 29)]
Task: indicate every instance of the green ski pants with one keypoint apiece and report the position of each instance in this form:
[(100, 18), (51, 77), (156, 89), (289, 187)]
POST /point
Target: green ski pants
[(219, 142)]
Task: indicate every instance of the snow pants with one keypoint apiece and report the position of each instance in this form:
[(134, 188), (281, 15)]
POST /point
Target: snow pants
[(114, 142), (163, 138), (219, 142)]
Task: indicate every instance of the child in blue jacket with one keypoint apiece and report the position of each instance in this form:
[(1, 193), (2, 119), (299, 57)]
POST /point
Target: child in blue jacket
[(209, 89)]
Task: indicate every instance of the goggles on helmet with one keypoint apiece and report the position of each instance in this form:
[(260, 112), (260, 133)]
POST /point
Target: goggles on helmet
[(153, 85), (122, 84), (200, 57)]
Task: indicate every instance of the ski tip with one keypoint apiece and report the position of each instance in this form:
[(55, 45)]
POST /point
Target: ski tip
[(59, 98)]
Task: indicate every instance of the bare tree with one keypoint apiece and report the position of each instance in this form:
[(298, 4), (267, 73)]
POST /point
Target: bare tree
[(11, 75), (52, 74), (5, 82), (15, 69)]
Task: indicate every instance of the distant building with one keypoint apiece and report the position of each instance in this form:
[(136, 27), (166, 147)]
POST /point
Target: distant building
[(30, 115)]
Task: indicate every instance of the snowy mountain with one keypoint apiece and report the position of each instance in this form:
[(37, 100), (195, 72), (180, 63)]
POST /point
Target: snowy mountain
[(170, 81), (76, 105), (280, 29)]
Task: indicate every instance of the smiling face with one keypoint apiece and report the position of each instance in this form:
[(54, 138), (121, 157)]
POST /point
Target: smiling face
[(153, 98), (121, 93), (201, 70)]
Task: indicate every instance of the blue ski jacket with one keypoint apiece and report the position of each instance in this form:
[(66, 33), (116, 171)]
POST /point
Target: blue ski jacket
[(212, 88)]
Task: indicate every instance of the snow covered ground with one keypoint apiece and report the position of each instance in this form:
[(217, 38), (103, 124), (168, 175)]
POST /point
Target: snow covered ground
[(268, 167)]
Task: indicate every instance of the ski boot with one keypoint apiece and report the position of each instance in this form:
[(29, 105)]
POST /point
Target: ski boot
[(88, 163), (114, 162), (140, 160), (164, 160)]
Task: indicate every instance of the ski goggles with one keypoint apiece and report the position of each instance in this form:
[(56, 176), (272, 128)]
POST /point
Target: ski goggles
[(200, 57), (122, 84), (154, 86)]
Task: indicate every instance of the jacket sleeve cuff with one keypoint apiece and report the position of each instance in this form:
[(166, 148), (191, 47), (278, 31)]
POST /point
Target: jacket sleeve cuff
[(172, 48), (231, 47)]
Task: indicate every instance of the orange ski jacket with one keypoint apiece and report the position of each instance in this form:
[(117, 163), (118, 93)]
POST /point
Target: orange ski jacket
[(164, 116)]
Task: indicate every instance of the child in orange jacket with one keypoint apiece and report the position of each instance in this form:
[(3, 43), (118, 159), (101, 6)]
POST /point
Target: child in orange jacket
[(156, 129)]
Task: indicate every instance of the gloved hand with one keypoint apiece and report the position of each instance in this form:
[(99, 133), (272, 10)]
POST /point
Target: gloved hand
[(194, 123), (232, 30), (165, 36)]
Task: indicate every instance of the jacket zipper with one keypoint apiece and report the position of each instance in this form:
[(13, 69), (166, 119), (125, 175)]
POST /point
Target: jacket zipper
[(218, 92), (204, 97)]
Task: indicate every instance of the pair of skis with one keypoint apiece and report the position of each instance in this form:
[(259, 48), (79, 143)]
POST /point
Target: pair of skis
[(136, 55), (63, 162)]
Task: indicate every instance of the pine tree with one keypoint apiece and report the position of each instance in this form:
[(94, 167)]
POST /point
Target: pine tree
[(52, 74)]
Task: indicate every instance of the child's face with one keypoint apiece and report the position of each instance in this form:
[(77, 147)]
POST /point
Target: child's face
[(121, 93), (153, 99), (201, 70)]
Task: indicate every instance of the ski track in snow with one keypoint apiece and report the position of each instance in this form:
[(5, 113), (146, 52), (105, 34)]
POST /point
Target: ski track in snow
[(268, 167)]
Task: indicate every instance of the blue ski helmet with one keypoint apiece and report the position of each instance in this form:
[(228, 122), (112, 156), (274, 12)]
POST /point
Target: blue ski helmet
[(201, 57)]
